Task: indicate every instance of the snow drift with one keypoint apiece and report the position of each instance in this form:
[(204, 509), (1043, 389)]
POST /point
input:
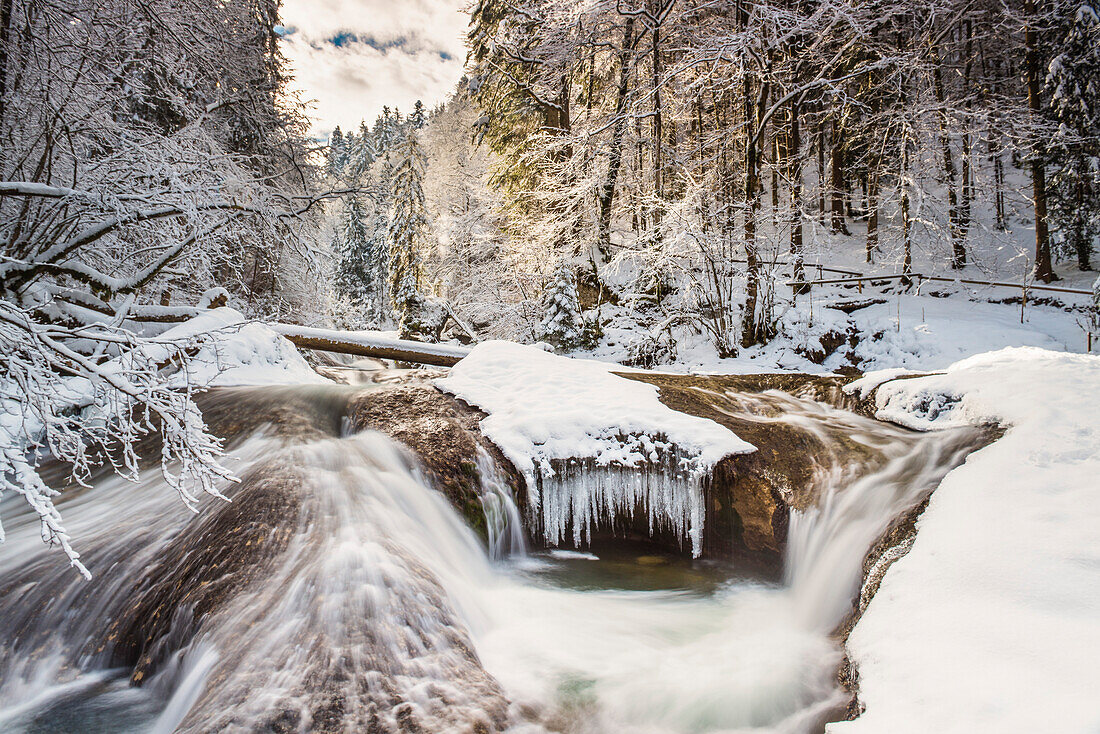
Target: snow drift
[(997, 605)]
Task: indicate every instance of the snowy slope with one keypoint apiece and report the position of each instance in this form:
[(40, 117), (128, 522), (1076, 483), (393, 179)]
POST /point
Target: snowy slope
[(992, 622), (239, 352)]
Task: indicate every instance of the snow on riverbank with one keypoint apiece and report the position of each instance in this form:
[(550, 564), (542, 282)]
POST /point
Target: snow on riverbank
[(239, 352), (991, 623)]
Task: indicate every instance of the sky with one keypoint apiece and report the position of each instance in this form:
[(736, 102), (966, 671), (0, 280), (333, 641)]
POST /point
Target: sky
[(351, 57)]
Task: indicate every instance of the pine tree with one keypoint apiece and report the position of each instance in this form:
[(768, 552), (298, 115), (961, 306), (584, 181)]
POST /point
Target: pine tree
[(1073, 78), (361, 271), (336, 157), (407, 231), (416, 119), (562, 326)]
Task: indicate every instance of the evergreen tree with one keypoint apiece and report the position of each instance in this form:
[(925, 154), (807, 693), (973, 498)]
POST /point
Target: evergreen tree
[(1074, 81), (416, 119), (408, 225), (335, 159), (562, 326), (360, 273)]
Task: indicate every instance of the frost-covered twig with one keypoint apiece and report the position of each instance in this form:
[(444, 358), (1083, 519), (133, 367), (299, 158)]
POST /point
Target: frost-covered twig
[(56, 402)]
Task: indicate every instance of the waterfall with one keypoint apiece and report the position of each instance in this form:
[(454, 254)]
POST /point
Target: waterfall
[(360, 613), (503, 523), (338, 591), (828, 542)]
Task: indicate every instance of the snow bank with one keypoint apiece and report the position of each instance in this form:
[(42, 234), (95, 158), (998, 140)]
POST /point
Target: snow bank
[(240, 353), (997, 605), (545, 409)]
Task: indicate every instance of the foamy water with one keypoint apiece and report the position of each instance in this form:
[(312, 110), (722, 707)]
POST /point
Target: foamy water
[(383, 600)]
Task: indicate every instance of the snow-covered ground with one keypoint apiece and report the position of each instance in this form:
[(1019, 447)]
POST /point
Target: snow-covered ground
[(991, 623), (239, 352), (909, 329)]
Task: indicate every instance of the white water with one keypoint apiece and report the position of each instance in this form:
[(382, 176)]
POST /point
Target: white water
[(504, 527), (382, 590)]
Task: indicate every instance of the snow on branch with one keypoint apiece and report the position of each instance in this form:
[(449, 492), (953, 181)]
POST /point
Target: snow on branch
[(61, 404)]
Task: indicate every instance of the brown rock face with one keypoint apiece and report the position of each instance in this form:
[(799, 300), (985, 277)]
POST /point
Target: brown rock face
[(442, 431), (749, 496)]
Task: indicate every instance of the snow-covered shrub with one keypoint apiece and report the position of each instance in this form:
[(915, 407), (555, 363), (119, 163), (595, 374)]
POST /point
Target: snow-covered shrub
[(562, 325), (814, 335), (650, 350), (419, 316)]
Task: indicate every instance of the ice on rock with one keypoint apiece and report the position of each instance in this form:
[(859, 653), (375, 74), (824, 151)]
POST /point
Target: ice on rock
[(591, 445), (581, 495)]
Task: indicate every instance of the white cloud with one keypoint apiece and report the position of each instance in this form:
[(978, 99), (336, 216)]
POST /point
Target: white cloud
[(403, 50)]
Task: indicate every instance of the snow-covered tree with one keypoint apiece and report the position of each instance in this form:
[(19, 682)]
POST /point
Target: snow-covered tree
[(144, 158), (335, 156), (362, 259), (562, 326), (1073, 79), (417, 118), (407, 233)]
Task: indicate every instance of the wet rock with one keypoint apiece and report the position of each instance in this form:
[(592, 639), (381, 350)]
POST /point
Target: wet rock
[(749, 497), (443, 433), (218, 555)]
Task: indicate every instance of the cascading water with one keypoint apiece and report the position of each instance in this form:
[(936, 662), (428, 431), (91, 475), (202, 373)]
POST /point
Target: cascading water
[(338, 592), (503, 524)]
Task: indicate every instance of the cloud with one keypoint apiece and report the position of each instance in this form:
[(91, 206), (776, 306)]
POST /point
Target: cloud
[(352, 57)]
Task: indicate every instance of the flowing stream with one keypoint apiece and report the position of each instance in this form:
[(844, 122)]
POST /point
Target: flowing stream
[(338, 592)]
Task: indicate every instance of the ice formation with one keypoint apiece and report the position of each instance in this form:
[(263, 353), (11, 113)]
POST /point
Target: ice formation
[(580, 495), (591, 445)]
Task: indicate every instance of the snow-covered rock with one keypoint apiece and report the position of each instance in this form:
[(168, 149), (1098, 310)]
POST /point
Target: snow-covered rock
[(545, 409), (239, 352)]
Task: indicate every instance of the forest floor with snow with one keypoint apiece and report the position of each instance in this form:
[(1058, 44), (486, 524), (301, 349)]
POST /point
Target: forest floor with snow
[(876, 325)]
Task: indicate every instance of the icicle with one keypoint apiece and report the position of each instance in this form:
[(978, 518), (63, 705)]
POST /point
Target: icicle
[(581, 493)]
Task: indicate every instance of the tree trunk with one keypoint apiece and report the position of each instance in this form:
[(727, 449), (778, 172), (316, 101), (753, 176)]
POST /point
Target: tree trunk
[(794, 173), (615, 157), (658, 125), (5, 44), (967, 191), (1080, 238), (1044, 270), (821, 169), (836, 165), (999, 188), (906, 224), (958, 251), (749, 330), (872, 213)]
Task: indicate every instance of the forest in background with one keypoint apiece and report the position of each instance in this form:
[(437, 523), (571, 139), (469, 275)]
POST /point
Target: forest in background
[(687, 156)]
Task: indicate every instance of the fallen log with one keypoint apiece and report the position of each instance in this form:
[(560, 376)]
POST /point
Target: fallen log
[(371, 344)]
